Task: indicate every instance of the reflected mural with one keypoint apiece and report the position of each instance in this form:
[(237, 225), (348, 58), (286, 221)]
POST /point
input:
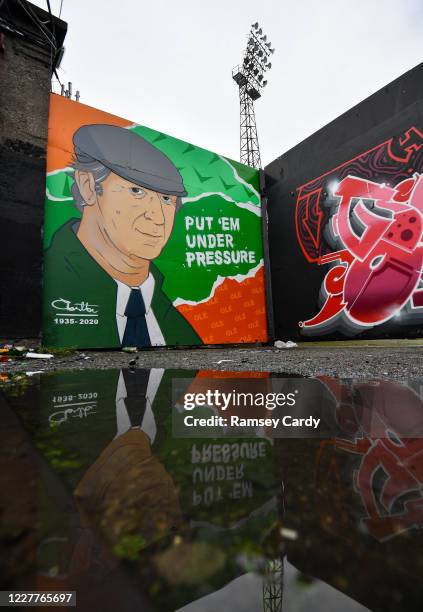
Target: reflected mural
[(100, 496)]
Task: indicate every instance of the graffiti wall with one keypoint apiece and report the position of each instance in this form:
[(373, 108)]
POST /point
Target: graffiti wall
[(346, 210), (148, 240)]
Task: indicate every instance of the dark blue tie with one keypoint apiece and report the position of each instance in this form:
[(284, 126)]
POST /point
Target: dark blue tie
[(136, 384), (136, 332)]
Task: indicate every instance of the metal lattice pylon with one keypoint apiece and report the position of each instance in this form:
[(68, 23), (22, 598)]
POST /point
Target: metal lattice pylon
[(249, 145), (273, 586), (249, 76)]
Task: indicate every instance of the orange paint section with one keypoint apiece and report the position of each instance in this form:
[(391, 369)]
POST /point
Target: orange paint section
[(233, 383), (65, 117), (224, 381), (236, 313)]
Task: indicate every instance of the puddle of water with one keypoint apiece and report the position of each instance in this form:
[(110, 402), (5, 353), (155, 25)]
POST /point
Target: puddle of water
[(105, 491)]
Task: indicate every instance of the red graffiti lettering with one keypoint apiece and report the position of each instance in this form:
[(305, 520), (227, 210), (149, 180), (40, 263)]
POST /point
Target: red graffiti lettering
[(401, 148), (380, 267)]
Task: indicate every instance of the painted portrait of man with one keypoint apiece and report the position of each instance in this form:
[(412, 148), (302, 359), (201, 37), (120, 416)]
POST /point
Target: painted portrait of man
[(108, 291)]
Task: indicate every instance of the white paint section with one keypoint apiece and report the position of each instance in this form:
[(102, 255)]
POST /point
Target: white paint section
[(241, 180), (239, 278), (67, 169), (250, 206), (56, 199)]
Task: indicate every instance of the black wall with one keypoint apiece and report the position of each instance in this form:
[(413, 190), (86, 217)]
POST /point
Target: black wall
[(336, 151), (26, 61)]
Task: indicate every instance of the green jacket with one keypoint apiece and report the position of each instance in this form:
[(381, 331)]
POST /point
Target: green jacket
[(79, 308)]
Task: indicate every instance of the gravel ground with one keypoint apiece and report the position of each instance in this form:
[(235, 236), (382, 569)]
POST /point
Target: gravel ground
[(380, 359)]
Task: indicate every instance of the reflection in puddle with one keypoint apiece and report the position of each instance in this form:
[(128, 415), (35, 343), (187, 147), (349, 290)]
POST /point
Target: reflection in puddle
[(100, 496)]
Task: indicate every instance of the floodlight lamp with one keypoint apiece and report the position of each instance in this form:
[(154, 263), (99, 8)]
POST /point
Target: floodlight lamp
[(255, 25), (260, 77), (255, 71), (271, 50), (264, 38), (264, 83), (260, 32), (269, 65), (260, 53)]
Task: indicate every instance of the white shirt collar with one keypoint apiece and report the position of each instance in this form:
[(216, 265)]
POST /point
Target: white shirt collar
[(148, 424), (123, 292)]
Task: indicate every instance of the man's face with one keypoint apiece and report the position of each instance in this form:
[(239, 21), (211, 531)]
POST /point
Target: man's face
[(137, 221)]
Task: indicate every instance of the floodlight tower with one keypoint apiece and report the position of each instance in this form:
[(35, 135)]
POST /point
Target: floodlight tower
[(249, 77), (273, 586)]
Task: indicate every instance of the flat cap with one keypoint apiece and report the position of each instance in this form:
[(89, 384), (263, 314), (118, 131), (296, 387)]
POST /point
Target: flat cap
[(129, 156)]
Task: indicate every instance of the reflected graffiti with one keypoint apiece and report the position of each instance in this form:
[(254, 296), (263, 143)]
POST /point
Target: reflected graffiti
[(389, 477)]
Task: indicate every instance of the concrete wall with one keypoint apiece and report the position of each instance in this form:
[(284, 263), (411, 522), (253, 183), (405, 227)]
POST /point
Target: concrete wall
[(25, 64), (330, 277)]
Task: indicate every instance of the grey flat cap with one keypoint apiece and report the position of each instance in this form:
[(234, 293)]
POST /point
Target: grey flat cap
[(128, 155)]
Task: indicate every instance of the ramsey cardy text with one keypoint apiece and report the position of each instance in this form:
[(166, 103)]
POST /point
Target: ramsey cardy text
[(236, 421)]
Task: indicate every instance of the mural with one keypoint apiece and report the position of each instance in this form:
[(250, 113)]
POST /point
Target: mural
[(149, 240), (364, 220)]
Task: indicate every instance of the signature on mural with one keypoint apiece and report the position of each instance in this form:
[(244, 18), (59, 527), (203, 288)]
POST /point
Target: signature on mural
[(369, 232), (81, 412), (67, 306)]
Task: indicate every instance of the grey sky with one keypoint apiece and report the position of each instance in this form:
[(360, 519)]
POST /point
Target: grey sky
[(167, 64)]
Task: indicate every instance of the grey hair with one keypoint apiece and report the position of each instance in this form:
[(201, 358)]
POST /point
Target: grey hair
[(100, 173)]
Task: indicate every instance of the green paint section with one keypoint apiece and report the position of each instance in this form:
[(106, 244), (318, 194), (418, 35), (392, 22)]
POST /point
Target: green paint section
[(205, 171), (250, 175), (59, 206), (194, 282)]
